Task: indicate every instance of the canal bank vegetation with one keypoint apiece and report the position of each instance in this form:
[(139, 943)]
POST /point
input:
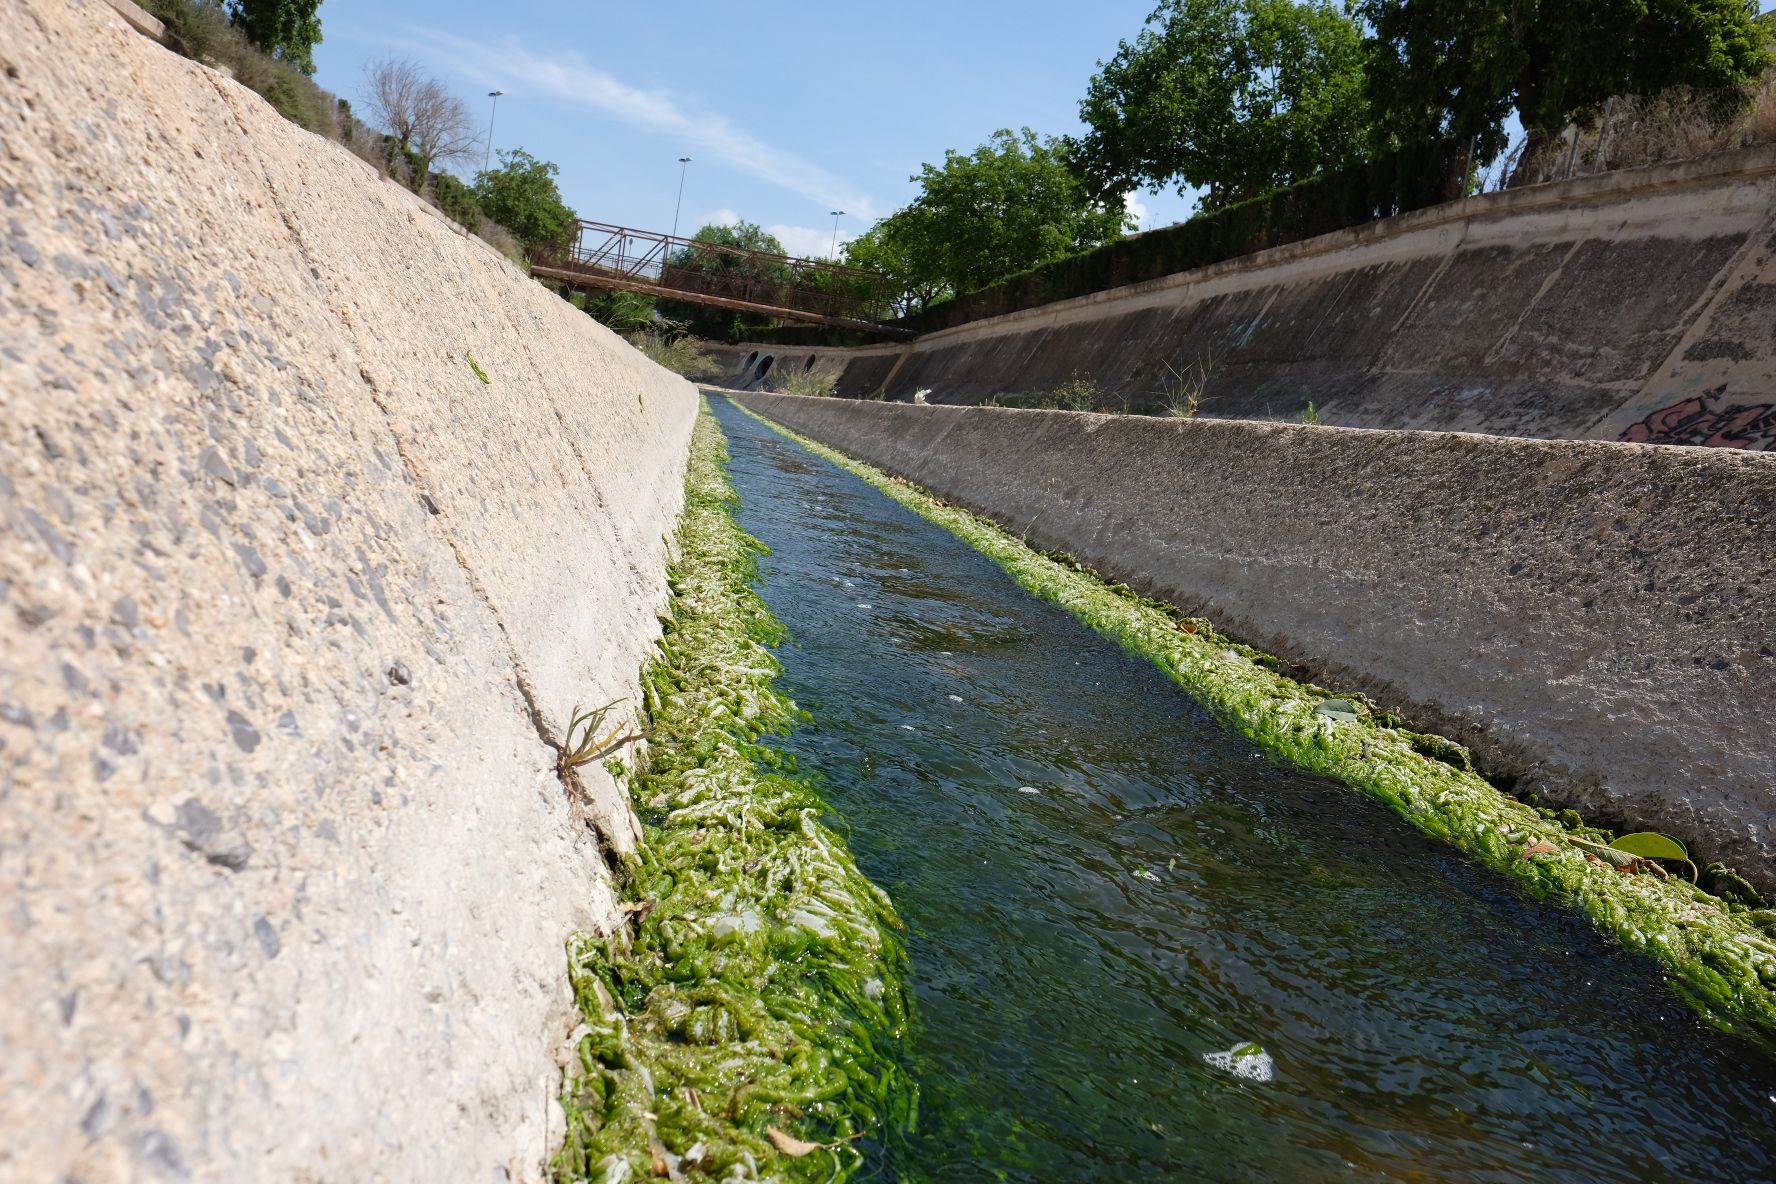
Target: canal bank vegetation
[(667, 345), (268, 47), (751, 1019), (818, 384), (1719, 950)]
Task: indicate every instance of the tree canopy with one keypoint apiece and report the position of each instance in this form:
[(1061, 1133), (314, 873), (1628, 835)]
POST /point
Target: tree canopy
[(522, 195), (1009, 205), (747, 236), (419, 112), (887, 248), (286, 29), (1455, 69), (1235, 97)]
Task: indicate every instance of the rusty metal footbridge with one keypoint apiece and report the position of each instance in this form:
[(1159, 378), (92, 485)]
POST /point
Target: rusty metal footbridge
[(605, 257)]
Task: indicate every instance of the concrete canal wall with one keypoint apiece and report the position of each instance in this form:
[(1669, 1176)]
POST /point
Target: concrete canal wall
[(1627, 306), (1591, 616), (291, 607)]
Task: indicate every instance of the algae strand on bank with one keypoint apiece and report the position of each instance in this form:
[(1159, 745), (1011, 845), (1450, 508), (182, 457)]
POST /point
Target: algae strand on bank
[(759, 1000)]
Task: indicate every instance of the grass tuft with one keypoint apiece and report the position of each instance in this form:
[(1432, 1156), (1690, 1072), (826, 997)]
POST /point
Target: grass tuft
[(678, 352), (813, 383)]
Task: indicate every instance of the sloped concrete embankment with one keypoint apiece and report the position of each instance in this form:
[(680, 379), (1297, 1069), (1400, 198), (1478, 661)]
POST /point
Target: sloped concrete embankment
[(1589, 616), (1627, 306), (292, 609)]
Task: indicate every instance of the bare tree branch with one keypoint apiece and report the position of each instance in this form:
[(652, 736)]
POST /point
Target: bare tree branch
[(416, 109)]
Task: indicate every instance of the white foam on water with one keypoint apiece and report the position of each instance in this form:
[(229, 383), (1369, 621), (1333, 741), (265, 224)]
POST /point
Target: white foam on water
[(1243, 1060)]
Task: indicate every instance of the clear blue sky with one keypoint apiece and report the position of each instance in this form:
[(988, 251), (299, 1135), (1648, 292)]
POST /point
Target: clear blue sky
[(789, 110)]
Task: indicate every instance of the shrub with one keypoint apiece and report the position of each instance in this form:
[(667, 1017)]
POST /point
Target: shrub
[(457, 200), (297, 98), (1078, 393), (679, 354), (808, 382), (202, 31), (622, 311), (502, 240)]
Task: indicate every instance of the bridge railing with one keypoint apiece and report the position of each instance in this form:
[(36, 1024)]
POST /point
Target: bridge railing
[(694, 267)]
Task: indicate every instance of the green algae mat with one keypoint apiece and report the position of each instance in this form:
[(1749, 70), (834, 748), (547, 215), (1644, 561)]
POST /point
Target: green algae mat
[(1720, 956), (750, 1022)]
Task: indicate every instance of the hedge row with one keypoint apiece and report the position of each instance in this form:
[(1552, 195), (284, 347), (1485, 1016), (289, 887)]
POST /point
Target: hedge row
[(1395, 184)]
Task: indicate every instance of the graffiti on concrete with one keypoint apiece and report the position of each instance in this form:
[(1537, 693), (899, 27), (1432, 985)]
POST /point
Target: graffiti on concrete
[(1693, 421)]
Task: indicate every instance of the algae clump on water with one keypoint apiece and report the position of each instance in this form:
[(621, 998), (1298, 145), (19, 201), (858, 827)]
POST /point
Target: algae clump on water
[(752, 1022)]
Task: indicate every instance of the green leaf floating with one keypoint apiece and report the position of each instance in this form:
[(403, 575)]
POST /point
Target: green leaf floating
[(1338, 710), (1249, 1050), (1650, 844), (476, 367)]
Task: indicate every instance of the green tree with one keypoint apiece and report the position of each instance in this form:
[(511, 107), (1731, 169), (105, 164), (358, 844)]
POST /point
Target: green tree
[(1008, 206), (887, 248), (748, 236), (288, 30), (733, 274), (743, 235), (1455, 69), (522, 195), (1234, 97)]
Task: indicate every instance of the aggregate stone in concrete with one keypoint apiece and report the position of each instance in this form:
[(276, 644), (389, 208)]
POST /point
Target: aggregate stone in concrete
[(290, 603)]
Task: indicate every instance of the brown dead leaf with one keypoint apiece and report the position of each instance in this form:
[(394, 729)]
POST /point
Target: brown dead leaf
[(638, 910), (789, 1144), (1187, 626), (1540, 848), (662, 1169)]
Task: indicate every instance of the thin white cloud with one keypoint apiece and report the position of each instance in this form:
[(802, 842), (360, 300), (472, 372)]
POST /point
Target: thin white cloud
[(570, 78), (1137, 209), (808, 242)]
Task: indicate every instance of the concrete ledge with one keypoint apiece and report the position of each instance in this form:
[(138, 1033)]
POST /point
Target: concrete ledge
[(1590, 616), (140, 21)]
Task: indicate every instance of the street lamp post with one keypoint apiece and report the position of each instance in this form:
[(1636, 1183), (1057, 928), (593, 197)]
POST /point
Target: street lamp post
[(836, 215), (684, 163), (487, 157)]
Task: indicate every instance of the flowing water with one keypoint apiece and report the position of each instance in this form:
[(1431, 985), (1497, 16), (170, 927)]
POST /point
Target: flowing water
[(1102, 886)]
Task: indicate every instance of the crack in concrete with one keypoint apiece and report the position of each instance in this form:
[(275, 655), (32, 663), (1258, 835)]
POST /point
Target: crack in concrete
[(571, 786)]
